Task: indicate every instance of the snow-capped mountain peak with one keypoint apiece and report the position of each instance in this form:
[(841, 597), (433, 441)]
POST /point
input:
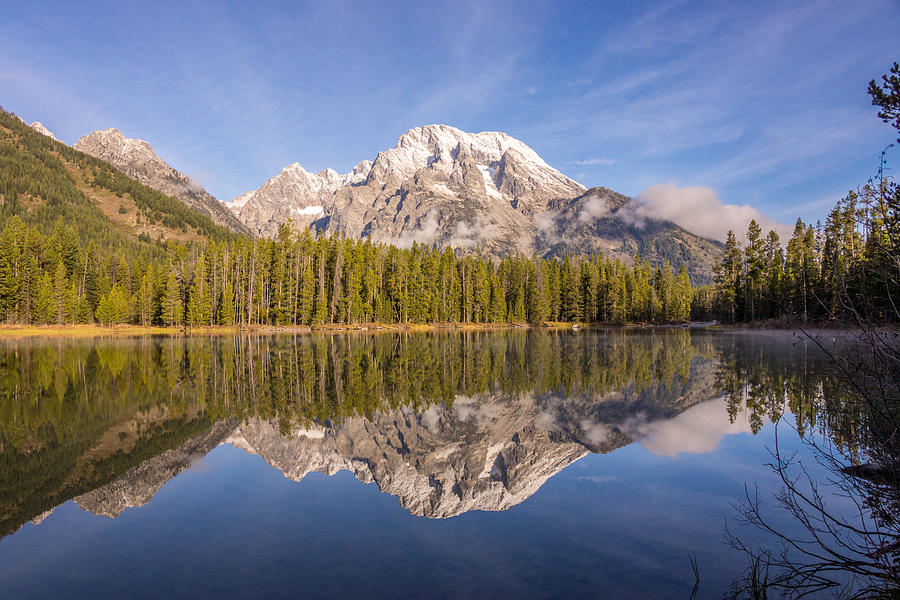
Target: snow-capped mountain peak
[(438, 161)]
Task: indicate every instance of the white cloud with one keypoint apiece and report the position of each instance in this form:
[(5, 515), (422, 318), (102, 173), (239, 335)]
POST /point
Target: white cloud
[(595, 433), (699, 210), (600, 160), (469, 235), (593, 208), (598, 478), (425, 232), (545, 221)]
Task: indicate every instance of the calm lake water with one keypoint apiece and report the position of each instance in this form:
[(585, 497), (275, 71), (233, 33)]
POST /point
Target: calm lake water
[(390, 465)]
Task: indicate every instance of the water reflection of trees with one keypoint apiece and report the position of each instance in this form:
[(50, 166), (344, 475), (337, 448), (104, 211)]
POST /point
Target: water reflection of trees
[(66, 388), (765, 379), (843, 499), (75, 414)]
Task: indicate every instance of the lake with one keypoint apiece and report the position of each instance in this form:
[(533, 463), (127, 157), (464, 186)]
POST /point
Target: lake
[(446, 464)]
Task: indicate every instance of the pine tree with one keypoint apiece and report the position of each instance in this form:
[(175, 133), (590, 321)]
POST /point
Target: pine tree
[(728, 276), (683, 296), (43, 306), (755, 269), (498, 300), (226, 306), (200, 299), (61, 299), (172, 308)]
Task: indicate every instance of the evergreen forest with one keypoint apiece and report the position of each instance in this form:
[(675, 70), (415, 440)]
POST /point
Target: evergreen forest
[(80, 242)]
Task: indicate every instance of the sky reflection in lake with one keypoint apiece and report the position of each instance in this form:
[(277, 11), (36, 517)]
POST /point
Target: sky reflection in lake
[(540, 464)]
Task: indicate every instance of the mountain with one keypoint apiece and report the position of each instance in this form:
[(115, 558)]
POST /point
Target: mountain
[(39, 127), (604, 221), (447, 422), (486, 453), (276, 201), (489, 452), (137, 159), (442, 186), (44, 182)]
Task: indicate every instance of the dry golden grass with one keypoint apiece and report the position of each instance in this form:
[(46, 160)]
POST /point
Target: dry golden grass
[(109, 203), (85, 331)]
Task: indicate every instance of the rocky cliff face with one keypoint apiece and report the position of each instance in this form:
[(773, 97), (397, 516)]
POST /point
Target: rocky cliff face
[(440, 186), (137, 159), (439, 464), (295, 195)]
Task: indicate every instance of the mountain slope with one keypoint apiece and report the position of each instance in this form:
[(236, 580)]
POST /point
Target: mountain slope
[(487, 191), (138, 160), (39, 127), (293, 194), (43, 181), (603, 221)]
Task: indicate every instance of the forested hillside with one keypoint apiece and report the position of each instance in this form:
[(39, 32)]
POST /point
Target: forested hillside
[(43, 181), (81, 242)]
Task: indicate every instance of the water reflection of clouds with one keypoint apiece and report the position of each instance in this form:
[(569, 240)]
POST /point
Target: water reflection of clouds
[(595, 433), (469, 407), (697, 430)]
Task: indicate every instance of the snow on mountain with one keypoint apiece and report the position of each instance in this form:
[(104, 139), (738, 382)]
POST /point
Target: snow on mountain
[(444, 163), (441, 186), (294, 194)]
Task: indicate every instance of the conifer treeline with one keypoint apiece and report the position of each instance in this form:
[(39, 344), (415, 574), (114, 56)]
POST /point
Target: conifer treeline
[(846, 269), (295, 279)]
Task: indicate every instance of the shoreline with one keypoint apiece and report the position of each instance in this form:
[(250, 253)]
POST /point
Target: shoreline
[(94, 330)]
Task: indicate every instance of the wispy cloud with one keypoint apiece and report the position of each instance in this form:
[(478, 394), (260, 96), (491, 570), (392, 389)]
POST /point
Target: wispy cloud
[(765, 102), (752, 100), (600, 160)]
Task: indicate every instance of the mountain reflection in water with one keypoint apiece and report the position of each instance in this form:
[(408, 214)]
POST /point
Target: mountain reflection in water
[(447, 422)]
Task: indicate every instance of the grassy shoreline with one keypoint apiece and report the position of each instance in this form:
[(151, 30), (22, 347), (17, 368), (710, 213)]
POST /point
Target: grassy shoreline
[(94, 330), (13, 331)]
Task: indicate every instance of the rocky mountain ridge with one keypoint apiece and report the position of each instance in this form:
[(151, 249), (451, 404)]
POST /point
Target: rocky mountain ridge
[(440, 186), (137, 159), (39, 127)]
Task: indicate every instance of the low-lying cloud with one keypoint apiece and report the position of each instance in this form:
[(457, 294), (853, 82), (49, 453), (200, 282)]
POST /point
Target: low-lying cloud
[(426, 232), (699, 210), (592, 209), (469, 235)]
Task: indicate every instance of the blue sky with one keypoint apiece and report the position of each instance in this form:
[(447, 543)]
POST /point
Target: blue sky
[(764, 103)]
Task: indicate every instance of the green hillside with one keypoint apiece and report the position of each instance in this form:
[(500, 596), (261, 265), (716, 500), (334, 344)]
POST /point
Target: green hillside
[(43, 181)]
